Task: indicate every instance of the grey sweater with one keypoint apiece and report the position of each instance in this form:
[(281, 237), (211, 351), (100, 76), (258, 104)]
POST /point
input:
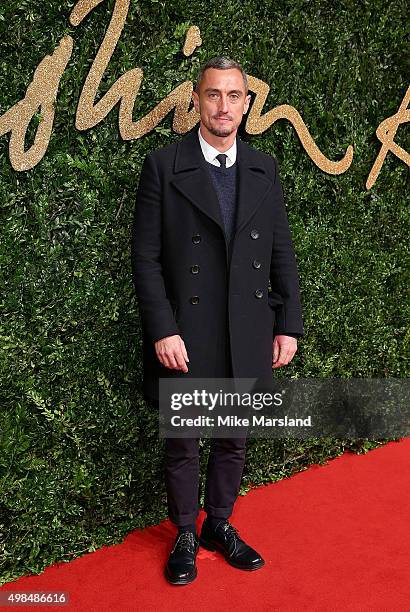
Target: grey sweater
[(225, 182)]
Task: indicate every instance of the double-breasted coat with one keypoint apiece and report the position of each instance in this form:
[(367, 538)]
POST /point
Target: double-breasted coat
[(226, 301)]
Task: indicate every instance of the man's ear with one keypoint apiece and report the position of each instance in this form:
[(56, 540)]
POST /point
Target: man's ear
[(247, 102), (195, 101)]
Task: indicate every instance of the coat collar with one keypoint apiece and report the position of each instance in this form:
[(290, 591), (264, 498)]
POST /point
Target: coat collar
[(193, 181)]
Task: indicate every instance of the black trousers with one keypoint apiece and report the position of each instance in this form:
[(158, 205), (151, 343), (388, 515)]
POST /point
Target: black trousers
[(223, 477), (223, 473)]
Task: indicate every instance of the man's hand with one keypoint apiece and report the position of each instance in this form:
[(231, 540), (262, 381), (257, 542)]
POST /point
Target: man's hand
[(172, 353), (284, 349)]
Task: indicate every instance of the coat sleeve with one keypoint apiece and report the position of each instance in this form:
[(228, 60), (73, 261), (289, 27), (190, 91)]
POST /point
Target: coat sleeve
[(156, 311), (284, 276)]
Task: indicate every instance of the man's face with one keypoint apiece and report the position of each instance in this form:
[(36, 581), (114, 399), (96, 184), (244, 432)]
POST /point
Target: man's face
[(221, 102)]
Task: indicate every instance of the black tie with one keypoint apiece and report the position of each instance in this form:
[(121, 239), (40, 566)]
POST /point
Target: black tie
[(222, 159)]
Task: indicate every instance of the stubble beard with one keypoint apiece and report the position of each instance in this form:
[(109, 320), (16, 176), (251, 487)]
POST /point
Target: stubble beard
[(222, 131)]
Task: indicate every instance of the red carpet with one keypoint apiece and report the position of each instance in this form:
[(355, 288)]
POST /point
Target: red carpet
[(334, 537)]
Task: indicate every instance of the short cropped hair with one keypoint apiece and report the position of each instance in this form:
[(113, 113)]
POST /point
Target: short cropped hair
[(221, 63)]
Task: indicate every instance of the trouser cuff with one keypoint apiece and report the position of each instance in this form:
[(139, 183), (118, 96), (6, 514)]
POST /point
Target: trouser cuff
[(223, 513), (183, 519)]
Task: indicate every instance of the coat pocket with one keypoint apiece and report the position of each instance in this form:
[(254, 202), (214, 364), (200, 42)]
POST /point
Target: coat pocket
[(274, 300), (174, 306)]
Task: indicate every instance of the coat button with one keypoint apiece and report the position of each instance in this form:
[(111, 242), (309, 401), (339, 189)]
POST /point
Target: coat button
[(258, 293), (256, 264), (194, 299), (196, 238), (254, 234), (195, 269)]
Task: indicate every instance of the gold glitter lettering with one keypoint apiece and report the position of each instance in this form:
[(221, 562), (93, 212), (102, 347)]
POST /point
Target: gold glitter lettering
[(41, 93), (256, 124), (386, 132), (126, 88)]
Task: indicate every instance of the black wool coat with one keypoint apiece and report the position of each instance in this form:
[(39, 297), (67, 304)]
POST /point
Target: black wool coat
[(226, 301)]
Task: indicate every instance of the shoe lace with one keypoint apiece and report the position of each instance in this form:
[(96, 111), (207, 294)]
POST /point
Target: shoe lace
[(185, 541), (231, 531)]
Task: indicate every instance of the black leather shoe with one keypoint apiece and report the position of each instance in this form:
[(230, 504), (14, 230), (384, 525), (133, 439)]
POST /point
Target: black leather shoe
[(225, 538), (181, 567)]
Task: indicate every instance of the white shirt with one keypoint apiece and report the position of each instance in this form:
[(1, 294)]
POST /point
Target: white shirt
[(210, 152)]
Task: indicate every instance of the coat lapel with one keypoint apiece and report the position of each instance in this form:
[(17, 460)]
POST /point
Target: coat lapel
[(193, 181)]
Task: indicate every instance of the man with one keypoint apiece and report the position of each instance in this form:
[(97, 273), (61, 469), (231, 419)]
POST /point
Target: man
[(210, 233)]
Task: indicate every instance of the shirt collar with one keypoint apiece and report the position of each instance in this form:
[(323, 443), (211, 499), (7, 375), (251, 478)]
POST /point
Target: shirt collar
[(210, 152)]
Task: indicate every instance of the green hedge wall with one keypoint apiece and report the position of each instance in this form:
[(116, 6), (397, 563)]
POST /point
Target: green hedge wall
[(80, 461)]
